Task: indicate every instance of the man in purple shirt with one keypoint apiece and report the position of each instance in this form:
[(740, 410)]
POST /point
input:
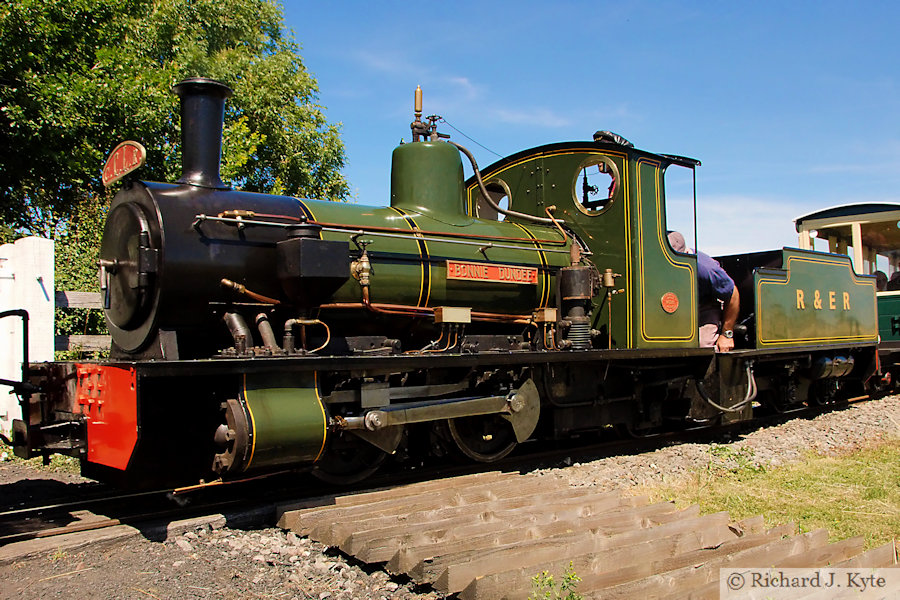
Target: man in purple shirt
[(718, 299)]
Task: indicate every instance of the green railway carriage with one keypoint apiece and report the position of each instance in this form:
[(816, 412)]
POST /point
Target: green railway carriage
[(889, 318), (540, 299)]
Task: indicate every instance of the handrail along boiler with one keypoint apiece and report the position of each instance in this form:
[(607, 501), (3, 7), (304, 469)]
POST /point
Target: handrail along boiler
[(254, 333)]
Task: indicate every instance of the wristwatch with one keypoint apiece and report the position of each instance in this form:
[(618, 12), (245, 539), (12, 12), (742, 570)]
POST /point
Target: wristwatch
[(728, 334)]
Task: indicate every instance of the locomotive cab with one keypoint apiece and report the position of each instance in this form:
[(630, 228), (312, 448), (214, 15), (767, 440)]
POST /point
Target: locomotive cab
[(612, 196)]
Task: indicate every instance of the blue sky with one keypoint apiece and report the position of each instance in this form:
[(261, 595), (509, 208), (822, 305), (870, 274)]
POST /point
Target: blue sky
[(791, 106)]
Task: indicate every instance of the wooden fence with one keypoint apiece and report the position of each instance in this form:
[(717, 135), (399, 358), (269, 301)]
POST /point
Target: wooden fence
[(80, 342)]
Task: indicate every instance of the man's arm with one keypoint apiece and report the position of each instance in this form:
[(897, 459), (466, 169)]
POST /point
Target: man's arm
[(729, 319)]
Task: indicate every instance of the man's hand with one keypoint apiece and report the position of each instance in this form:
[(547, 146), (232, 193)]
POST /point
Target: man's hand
[(724, 344), (729, 318)]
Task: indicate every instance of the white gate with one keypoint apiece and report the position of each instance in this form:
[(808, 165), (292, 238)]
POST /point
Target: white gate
[(26, 281)]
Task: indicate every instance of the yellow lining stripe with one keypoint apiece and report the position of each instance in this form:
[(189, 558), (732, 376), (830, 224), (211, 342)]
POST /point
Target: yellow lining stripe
[(306, 209), (324, 416), (545, 267), (629, 268), (252, 425), (423, 257)]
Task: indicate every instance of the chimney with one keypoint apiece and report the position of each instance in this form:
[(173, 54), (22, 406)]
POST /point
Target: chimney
[(202, 117)]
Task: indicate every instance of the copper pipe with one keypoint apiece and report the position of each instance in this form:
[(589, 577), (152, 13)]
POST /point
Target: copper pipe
[(240, 289), (549, 337), (416, 311), (455, 339), (327, 336), (428, 346), (562, 231), (391, 309), (291, 323), (446, 347)]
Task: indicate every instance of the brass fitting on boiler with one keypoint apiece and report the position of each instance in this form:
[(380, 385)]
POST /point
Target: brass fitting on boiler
[(609, 278), (361, 269)]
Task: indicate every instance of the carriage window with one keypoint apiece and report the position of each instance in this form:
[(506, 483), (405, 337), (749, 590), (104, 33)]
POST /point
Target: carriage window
[(596, 185), (499, 193)]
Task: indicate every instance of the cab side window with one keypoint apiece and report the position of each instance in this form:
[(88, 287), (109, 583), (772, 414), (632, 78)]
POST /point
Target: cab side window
[(596, 185), (499, 193)]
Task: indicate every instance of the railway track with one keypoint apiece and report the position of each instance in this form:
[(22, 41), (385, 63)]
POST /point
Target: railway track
[(86, 515)]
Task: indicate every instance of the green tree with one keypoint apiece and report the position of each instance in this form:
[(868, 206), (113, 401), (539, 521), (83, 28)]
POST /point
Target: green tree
[(78, 76)]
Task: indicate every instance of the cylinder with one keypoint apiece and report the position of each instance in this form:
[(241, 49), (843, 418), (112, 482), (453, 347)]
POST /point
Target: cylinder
[(277, 420)]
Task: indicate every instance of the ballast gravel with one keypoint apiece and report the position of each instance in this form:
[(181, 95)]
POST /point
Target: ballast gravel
[(205, 563), (832, 433), (213, 562)]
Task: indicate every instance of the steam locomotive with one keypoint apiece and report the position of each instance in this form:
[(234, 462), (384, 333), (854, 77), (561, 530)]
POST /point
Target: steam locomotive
[(254, 333)]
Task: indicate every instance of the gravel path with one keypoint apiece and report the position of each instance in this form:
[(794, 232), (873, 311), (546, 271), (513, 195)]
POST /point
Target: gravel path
[(223, 563), (202, 564)]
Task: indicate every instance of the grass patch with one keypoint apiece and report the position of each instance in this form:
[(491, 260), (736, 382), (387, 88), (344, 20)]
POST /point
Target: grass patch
[(545, 587), (850, 495), (58, 462)]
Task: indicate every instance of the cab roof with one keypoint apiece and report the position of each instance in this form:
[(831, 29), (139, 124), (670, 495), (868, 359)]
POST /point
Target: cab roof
[(558, 147)]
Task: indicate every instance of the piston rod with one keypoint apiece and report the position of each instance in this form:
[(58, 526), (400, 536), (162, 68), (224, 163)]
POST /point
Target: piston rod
[(433, 410)]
